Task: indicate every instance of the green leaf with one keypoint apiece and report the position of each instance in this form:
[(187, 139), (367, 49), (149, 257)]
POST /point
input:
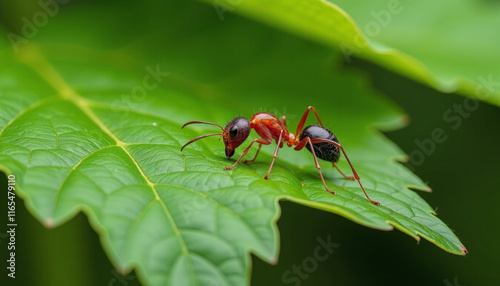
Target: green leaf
[(91, 121), (449, 45)]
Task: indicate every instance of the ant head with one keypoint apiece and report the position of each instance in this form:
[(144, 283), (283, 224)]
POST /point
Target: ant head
[(235, 133)]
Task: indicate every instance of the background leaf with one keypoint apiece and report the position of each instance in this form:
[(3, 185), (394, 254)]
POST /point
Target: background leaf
[(451, 46), (85, 113)]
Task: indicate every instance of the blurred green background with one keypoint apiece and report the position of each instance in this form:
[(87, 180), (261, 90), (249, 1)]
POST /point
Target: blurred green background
[(463, 172)]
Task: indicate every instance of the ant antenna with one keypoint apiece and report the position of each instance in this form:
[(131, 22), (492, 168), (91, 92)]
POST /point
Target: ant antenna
[(200, 137), (202, 122)]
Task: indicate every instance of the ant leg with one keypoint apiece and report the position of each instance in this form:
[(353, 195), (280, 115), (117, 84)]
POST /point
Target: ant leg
[(318, 140), (299, 147), (342, 173), (260, 141), (274, 155), (303, 120), (254, 157)]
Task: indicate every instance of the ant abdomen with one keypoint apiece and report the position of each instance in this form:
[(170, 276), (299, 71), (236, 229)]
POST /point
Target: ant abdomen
[(323, 150)]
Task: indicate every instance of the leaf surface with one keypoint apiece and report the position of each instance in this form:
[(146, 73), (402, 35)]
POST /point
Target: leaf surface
[(93, 125), (449, 45)]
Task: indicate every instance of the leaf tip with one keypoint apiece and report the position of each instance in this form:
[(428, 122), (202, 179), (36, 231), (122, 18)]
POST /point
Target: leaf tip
[(405, 119), (49, 223), (464, 250), (273, 261), (122, 270)]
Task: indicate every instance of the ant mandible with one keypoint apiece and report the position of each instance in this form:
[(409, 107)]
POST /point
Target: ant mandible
[(320, 141)]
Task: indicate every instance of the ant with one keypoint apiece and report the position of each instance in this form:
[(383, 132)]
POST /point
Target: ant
[(320, 141)]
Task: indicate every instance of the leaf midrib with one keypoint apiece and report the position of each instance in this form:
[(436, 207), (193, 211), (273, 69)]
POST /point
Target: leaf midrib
[(33, 58)]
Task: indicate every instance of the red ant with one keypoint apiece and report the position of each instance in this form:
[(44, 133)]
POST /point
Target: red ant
[(320, 141)]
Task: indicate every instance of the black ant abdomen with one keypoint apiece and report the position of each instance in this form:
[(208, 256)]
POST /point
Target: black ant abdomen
[(323, 150)]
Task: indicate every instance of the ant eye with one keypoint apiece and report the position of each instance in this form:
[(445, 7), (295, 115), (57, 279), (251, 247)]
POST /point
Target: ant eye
[(233, 131), (236, 131)]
